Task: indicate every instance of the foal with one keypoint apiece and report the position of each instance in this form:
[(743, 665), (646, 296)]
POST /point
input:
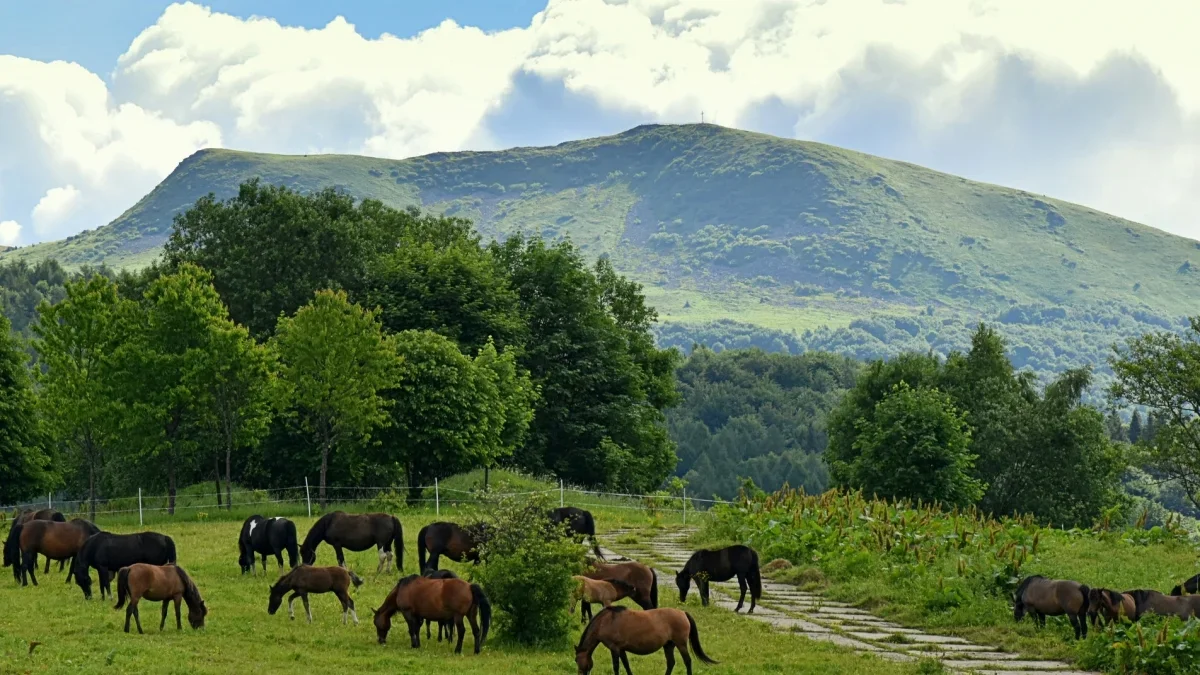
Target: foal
[(1043, 597), (306, 579), (1110, 606), (168, 583), (605, 592), (624, 631), (642, 578), (444, 627)]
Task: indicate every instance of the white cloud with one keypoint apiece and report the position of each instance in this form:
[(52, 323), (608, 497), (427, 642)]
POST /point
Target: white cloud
[(10, 232), (1090, 100), (56, 206)]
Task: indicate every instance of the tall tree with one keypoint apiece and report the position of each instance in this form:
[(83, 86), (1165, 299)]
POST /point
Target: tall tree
[(516, 394), (334, 365), (599, 420), (167, 370), (240, 383), (76, 339), (24, 466), (270, 248), (1160, 371), (1135, 427)]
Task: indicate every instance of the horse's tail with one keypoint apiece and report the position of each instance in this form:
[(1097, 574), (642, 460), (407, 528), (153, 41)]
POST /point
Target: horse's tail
[(754, 577), (623, 586), (398, 541), (694, 640), (170, 545), (291, 543), (653, 589), (355, 578), (1085, 591), (485, 612), (122, 587), (421, 552)]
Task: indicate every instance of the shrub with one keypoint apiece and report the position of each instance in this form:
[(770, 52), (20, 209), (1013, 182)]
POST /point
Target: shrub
[(526, 572), (1152, 647)]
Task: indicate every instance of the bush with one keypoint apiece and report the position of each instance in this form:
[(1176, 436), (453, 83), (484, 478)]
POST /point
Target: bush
[(526, 572), (1153, 646)]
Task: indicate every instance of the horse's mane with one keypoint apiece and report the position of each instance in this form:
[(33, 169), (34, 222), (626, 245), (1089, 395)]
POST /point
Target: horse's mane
[(407, 580), (88, 526), (1025, 584), (191, 594), (317, 533), (1139, 597)]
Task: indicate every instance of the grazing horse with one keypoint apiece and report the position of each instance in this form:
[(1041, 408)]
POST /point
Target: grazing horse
[(579, 522), (603, 591), (12, 547), (456, 542), (1190, 586), (1153, 602), (419, 598), (266, 536), (55, 540), (358, 533), (109, 552), (624, 631), (642, 578), (306, 579), (1043, 597), (722, 565), (1110, 606), (168, 583), (444, 627)]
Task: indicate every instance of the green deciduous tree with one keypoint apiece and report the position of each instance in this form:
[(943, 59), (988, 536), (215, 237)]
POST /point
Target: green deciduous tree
[(603, 383), (166, 372), (270, 248), (1161, 371), (915, 446), (76, 340), (24, 466), (334, 365)]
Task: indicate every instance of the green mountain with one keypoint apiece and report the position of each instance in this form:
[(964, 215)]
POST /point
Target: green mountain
[(743, 238)]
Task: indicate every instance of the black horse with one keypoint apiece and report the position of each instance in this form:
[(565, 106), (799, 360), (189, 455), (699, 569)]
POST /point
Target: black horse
[(358, 533), (1191, 586), (722, 565), (109, 552), (12, 544), (456, 542), (267, 536), (579, 522)]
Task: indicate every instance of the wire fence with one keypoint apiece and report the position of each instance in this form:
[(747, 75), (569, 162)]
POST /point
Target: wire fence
[(304, 498)]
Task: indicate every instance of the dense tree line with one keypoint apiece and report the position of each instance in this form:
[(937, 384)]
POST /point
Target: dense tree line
[(970, 429), (753, 414), (287, 335)]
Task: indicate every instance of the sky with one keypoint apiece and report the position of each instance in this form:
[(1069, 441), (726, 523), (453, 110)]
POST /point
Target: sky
[(1092, 101)]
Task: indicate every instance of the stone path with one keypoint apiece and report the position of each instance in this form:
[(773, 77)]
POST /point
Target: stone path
[(786, 608)]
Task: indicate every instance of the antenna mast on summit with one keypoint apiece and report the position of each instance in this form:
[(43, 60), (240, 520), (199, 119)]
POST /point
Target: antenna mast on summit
[(701, 117)]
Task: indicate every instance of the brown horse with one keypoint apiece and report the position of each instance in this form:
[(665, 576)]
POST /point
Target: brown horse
[(12, 548), (1043, 597), (307, 579), (605, 592), (642, 578), (357, 532), (1110, 606), (1153, 602), (55, 540), (624, 631), (419, 598), (167, 583)]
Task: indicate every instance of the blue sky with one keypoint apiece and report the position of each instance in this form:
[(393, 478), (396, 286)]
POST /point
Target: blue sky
[(1093, 101)]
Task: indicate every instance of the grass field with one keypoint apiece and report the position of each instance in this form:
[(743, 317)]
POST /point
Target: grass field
[(79, 636)]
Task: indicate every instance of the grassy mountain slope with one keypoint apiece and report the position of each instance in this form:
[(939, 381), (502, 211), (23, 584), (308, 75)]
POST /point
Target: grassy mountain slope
[(779, 234)]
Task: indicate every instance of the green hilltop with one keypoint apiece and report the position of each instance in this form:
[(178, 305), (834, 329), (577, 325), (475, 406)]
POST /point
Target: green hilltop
[(743, 238)]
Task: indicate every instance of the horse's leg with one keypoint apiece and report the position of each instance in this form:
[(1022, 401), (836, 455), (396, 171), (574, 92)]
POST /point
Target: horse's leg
[(129, 613), (616, 657), (70, 567), (264, 560), (163, 624), (585, 611), (471, 616), (461, 631), (669, 652), (307, 609), (102, 580), (703, 592), (433, 561), (291, 609), (741, 585), (625, 660), (137, 615), (341, 557), (178, 619), (427, 633), (278, 559), (47, 565), (31, 566)]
